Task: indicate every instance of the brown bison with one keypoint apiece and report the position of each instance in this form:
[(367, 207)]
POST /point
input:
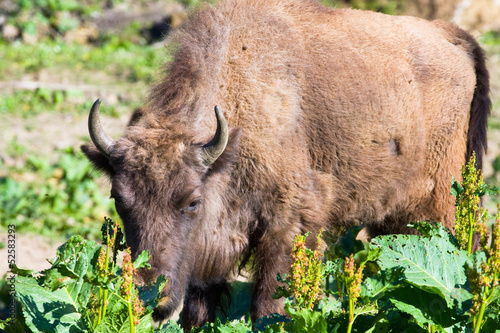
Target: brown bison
[(328, 117)]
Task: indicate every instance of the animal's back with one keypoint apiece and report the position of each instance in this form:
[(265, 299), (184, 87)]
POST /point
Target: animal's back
[(394, 114), (373, 107)]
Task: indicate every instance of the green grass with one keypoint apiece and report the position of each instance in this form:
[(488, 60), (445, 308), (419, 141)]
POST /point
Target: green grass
[(29, 103), (122, 60), (120, 67)]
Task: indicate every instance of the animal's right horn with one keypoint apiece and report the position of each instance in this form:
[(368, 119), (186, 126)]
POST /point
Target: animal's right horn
[(216, 146), (102, 141)]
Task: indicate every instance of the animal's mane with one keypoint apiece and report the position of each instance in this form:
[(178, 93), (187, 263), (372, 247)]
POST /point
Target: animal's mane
[(201, 46)]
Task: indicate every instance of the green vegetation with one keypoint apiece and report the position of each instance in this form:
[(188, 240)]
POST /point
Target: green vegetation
[(384, 6), (30, 103), (59, 198), (431, 282), (52, 18), (121, 59), (85, 290), (120, 67), (490, 38)]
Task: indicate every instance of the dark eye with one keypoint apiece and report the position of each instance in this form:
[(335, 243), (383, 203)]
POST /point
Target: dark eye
[(194, 205)]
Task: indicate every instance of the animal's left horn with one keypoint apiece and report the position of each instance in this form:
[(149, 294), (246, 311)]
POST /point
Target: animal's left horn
[(103, 142), (216, 146)]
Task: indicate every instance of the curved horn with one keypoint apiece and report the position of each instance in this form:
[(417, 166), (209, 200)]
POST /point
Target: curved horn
[(216, 146), (103, 142)]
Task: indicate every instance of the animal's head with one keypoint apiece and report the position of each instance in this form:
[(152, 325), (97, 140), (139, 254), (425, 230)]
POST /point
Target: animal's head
[(165, 185)]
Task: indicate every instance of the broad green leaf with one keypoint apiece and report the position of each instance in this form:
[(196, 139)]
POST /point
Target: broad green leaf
[(374, 287), (398, 322), (75, 259), (13, 326), (273, 319), (495, 294), (54, 280), (330, 306), (275, 328), (456, 187), (366, 309), (146, 324), (116, 319), (434, 229), (142, 260), (171, 327), (491, 322), (426, 308), (21, 272), (434, 264), (416, 313), (149, 294), (235, 326), (75, 256), (48, 311), (305, 320)]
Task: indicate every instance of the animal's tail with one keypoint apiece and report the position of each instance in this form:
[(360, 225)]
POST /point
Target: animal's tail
[(480, 106)]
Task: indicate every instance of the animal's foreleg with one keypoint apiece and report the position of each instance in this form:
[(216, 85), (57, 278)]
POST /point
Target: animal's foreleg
[(201, 304), (271, 257)]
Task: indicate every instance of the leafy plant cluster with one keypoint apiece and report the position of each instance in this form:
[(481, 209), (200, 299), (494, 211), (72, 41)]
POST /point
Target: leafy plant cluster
[(66, 202), (52, 18), (86, 290), (432, 282)]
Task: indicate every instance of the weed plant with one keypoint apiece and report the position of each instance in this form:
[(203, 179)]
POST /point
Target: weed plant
[(397, 283)]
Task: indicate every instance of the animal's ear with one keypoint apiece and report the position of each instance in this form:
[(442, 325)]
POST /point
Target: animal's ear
[(230, 154), (100, 161)]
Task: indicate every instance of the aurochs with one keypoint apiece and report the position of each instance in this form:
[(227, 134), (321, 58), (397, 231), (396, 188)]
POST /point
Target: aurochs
[(326, 117)]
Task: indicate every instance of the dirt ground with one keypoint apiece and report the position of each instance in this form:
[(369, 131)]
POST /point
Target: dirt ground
[(48, 131)]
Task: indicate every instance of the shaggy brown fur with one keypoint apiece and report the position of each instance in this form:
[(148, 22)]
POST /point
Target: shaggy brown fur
[(337, 117)]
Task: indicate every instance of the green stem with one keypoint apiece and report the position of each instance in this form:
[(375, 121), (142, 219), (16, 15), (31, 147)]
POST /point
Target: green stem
[(484, 300), (105, 298), (471, 231), (130, 314), (99, 318), (351, 315), (339, 290)]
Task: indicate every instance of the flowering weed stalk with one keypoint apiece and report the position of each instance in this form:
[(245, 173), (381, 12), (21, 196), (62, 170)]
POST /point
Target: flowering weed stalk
[(484, 280), (129, 292), (469, 217), (352, 278), (113, 239), (307, 272)]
